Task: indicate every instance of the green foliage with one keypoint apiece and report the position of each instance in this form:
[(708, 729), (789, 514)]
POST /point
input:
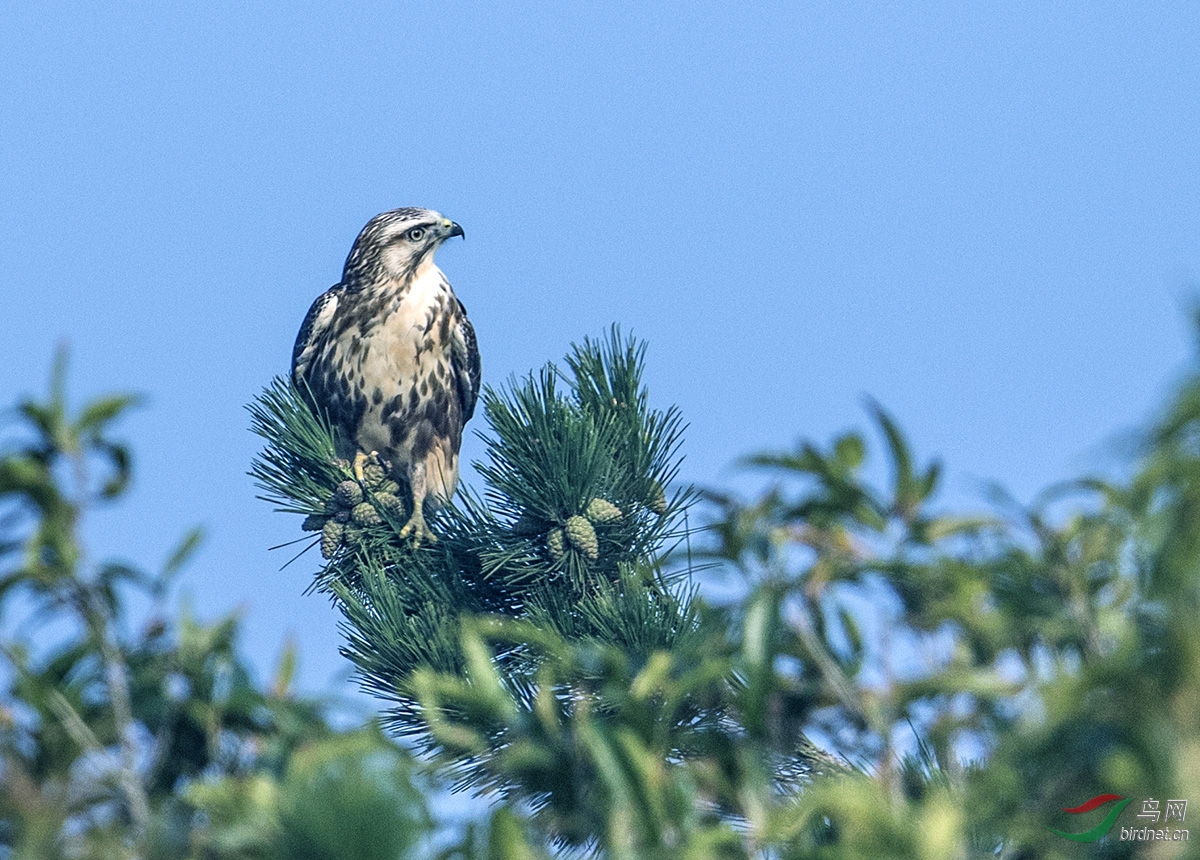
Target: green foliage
[(154, 743), (567, 533), (1041, 641), (298, 470), (890, 680), (349, 796)]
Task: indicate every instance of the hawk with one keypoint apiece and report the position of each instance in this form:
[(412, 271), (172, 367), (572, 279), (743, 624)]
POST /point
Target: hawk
[(389, 355)]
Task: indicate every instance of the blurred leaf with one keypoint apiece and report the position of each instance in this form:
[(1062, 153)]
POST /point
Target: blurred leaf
[(180, 556), (120, 460), (241, 818), (850, 449), (286, 671), (506, 841), (906, 488), (97, 415), (351, 796)]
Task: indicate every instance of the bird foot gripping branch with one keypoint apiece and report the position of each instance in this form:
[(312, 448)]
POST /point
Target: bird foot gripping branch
[(354, 506), (417, 529), (360, 462)]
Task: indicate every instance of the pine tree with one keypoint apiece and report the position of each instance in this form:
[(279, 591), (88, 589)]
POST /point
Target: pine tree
[(567, 538), (541, 650)]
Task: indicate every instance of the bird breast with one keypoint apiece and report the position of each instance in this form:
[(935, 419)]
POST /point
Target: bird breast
[(400, 356)]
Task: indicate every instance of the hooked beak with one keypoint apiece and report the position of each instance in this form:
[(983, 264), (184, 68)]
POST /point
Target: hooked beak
[(452, 229)]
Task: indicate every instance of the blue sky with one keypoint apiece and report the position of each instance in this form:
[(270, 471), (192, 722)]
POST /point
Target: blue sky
[(987, 218)]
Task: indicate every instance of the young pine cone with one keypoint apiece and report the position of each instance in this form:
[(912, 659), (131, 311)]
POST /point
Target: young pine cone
[(331, 538), (364, 514), (582, 536), (374, 474), (602, 511), (314, 522), (389, 503), (348, 494), (556, 541)]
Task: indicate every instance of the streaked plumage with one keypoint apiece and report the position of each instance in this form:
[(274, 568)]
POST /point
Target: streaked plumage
[(389, 355)]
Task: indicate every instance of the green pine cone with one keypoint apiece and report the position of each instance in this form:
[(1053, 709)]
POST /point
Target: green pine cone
[(348, 494), (582, 536), (314, 522), (331, 505), (388, 503), (342, 516), (602, 511), (353, 535), (374, 474), (556, 541), (390, 487), (331, 538), (364, 514), (658, 499)]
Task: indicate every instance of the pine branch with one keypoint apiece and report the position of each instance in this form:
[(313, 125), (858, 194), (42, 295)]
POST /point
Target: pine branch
[(298, 469)]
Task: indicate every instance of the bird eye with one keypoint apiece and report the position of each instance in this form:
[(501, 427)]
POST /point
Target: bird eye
[(415, 234)]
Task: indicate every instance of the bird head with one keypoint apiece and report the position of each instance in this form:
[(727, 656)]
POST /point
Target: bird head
[(397, 244)]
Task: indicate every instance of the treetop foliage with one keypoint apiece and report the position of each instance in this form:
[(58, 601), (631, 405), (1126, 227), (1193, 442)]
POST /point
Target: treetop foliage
[(893, 681), (567, 535), (887, 678)]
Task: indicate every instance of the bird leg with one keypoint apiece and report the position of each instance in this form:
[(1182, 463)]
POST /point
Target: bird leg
[(360, 460), (416, 523)]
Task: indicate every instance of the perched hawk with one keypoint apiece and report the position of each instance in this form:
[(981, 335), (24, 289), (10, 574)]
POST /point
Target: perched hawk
[(389, 355)]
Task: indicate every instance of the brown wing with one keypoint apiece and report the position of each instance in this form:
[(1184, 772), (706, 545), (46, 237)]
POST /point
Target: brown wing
[(312, 333), (464, 358)]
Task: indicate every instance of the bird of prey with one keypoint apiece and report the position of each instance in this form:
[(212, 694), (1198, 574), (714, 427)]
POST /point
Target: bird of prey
[(389, 356)]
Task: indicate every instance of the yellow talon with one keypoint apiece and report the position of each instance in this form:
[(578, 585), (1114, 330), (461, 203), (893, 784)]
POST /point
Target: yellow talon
[(417, 528), (360, 460)]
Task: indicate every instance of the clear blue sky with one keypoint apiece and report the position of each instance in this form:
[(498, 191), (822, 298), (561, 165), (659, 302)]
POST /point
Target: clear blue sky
[(987, 218)]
